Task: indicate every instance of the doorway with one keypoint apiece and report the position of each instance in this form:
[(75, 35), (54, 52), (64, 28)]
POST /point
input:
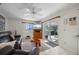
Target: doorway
[(37, 36)]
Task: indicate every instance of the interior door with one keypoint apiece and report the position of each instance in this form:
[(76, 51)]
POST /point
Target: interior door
[(37, 34)]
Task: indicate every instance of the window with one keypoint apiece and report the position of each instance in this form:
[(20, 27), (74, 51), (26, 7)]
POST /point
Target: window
[(29, 26)]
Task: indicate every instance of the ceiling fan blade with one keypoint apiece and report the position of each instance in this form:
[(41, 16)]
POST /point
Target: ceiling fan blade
[(38, 14)]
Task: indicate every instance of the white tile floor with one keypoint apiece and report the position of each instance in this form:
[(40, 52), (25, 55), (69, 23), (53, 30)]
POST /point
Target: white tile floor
[(54, 50), (27, 46)]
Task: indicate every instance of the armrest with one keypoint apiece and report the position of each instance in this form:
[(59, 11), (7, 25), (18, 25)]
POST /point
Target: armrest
[(6, 50), (20, 52)]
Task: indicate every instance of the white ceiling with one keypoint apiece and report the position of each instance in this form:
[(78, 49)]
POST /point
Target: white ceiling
[(18, 10)]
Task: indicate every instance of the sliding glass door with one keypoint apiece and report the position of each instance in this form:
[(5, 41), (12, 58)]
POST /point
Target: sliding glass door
[(50, 31)]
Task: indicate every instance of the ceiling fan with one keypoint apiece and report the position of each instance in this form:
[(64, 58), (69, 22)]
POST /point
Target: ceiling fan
[(31, 10)]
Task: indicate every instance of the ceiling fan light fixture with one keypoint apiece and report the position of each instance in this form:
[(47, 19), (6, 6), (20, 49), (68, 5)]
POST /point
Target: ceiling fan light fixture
[(27, 9)]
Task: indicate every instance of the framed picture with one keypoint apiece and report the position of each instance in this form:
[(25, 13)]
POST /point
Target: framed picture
[(2, 23), (72, 21)]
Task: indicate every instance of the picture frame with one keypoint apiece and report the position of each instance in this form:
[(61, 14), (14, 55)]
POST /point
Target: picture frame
[(2, 23), (72, 21)]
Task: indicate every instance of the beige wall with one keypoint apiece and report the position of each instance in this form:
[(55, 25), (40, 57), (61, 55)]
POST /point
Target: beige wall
[(67, 34), (19, 27)]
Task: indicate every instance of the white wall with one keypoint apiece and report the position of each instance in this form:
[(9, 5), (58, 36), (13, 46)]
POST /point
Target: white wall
[(67, 34), (16, 24)]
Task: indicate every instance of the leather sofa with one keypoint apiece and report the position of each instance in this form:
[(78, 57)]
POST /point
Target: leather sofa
[(9, 50)]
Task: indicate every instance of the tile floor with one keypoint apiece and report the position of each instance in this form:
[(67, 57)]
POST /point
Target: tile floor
[(54, 50), (45, 49)]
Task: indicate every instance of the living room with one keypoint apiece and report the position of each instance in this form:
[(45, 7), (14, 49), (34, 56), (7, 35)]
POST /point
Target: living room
[(30, 21)]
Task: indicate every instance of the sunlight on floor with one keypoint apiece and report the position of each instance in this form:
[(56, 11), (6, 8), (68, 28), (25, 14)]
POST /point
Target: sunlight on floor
[(54, 50), (45, 49)]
